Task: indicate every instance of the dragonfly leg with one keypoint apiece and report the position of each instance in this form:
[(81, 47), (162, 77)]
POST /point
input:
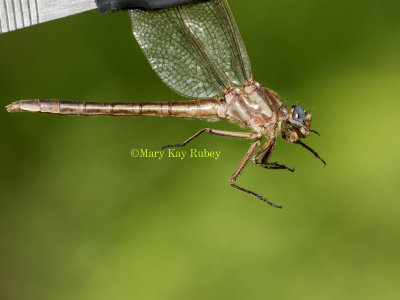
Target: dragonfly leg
[(265, 153), (239, 169), (311, 150), (238, 135)]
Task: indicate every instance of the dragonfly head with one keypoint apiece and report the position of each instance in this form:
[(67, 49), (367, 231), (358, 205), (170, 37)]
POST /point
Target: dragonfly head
[(298, 124), (294, 124)]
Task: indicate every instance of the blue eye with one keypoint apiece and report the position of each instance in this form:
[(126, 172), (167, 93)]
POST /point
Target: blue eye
[(298, 115)]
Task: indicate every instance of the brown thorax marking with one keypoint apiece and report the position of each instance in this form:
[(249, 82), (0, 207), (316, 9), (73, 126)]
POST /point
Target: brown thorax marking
[(253, 106)]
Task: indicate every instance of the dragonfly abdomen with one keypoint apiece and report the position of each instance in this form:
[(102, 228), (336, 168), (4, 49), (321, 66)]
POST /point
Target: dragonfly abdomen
[(196, 109)]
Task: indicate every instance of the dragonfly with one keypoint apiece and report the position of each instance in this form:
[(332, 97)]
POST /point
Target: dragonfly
[(198, 52)]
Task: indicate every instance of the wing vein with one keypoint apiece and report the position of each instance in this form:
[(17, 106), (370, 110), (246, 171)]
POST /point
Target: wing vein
[(196, 50)]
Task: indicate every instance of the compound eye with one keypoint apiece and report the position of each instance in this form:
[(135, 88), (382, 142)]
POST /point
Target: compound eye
[(298, 115)]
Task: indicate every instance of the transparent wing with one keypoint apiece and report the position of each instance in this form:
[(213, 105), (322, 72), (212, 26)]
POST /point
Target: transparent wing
[(177, 55), (196, 50), (213, 23)]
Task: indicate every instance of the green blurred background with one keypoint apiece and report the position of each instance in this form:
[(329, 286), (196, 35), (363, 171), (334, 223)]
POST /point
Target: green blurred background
[(81, 219)]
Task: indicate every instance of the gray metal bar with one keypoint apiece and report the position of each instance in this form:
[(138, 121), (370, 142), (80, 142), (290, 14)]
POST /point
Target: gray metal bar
[(16, 14)]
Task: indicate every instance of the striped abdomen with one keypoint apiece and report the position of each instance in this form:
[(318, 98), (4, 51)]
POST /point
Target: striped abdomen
[(196, 109)]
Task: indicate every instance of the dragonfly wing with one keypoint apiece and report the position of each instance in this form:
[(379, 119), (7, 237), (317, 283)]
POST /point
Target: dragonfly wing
[(176, 54), (213, 23), (196, 50)]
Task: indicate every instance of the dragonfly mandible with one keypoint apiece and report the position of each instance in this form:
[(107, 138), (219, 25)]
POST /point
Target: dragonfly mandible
[(198, 52)]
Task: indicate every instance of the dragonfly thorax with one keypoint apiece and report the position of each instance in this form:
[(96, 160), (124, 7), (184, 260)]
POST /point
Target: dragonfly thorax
[(253, 106)]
